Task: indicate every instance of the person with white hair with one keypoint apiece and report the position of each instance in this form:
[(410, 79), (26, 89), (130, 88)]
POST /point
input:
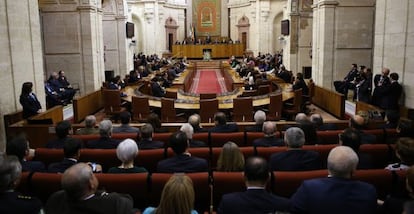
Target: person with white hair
[(90, 122), (259, 118), (195, 120), (269, 139), (105, 141), (295, 158), (337, 193), (126, 152), (189, 131), (80, 194)]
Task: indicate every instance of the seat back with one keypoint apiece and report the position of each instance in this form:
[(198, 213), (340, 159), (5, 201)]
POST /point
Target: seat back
[(163, 137), (263, 89), (219, 139), (207, 96), (202, 136), (266, 152), (200, 183), (226, 182), (168, 113), (111, 100), (149, 158), (381, 154), (106, 157), (243, 109), (208, 108), (297, 100), (275, 107), (134, 184), (43, 185), (286, 183), (329, 136), (48, 156), (382, 179), (171, 94), (251, 136), (140, 108)]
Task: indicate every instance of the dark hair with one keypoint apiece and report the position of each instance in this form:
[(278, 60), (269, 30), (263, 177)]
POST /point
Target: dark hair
[(352, 138), (71, 147), (405, 128), (220, 117), (146, 131), (27, 88), (154, 120), (178, 142), (17, 146), (354, 65), (125, 117), (62, 128), (256, 169), (394, 76), (392, 116)]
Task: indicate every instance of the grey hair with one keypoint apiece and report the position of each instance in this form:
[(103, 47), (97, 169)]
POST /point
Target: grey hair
[(188, 130), (294, 137), (259, 116), (300, 117), (269, 128), (105, 128), (127, 150), (90, 121), (75, 180), (194, 119), (316, 119), (342, 161)]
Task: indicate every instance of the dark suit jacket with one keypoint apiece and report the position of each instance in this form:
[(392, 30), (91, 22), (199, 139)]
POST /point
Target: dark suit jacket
[(392, 95), (30, 105), (61, 166), (364, 91), (157, 90), (255, 128), (230, 127), (380, 91), (125, 128), (59, 143), (14, 202), (301, 85), (103, 143), (295, 160), (334, 195), (150, 144), (253, 201), (100, 203), (33, 166), (197, 143), (268, 141), (182, 163)]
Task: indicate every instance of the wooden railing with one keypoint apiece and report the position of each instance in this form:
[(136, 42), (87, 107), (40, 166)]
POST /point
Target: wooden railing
[(330, 101), (86, 105)]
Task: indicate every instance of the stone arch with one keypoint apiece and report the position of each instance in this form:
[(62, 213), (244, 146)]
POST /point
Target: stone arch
[(171, 27), (243, 27)]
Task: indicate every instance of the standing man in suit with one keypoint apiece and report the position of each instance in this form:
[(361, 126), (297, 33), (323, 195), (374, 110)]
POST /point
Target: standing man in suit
[(255, 199), (221, 124), (381, 82), (182, 161), (28, 100), (105, 141), (125, 118), (393, 93), (269, 139), (80, 195), (337, 193), (295, 159)]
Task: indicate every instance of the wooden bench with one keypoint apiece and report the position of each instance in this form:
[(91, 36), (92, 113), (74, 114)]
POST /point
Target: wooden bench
[(330, 101), (87, 105)]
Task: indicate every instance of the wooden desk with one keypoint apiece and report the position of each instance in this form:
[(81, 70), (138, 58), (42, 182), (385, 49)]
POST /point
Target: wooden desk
[(217, 50)]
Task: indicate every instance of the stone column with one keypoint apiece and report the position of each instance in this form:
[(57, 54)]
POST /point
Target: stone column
[(20, 56)]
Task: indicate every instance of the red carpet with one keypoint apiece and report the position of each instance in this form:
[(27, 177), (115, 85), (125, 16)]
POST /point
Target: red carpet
[(208, 81)]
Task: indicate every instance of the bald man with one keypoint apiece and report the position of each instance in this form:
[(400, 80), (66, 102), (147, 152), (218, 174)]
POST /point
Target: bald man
[(269, 139), (80, 195), (337, 193)]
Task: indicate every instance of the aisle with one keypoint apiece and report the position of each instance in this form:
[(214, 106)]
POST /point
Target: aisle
[(208, 81)]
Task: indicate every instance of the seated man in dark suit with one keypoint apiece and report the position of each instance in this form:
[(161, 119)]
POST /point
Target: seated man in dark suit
[(71, 150), (63, 129), (259, 119), (194, 120), (105, 141), (317, 121), (358, 123), (308, 128), (189, 131), (295, 159), (125, 118), (80, 195), (146, 138), (19, 147), (10, 200), (269, 139), (156, 87), (221, 124), (351, 138), (182, 161), (337, 193), (255, 199)]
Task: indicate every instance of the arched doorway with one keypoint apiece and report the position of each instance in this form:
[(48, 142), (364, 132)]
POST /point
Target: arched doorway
[(243, 27), (171, 27)]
